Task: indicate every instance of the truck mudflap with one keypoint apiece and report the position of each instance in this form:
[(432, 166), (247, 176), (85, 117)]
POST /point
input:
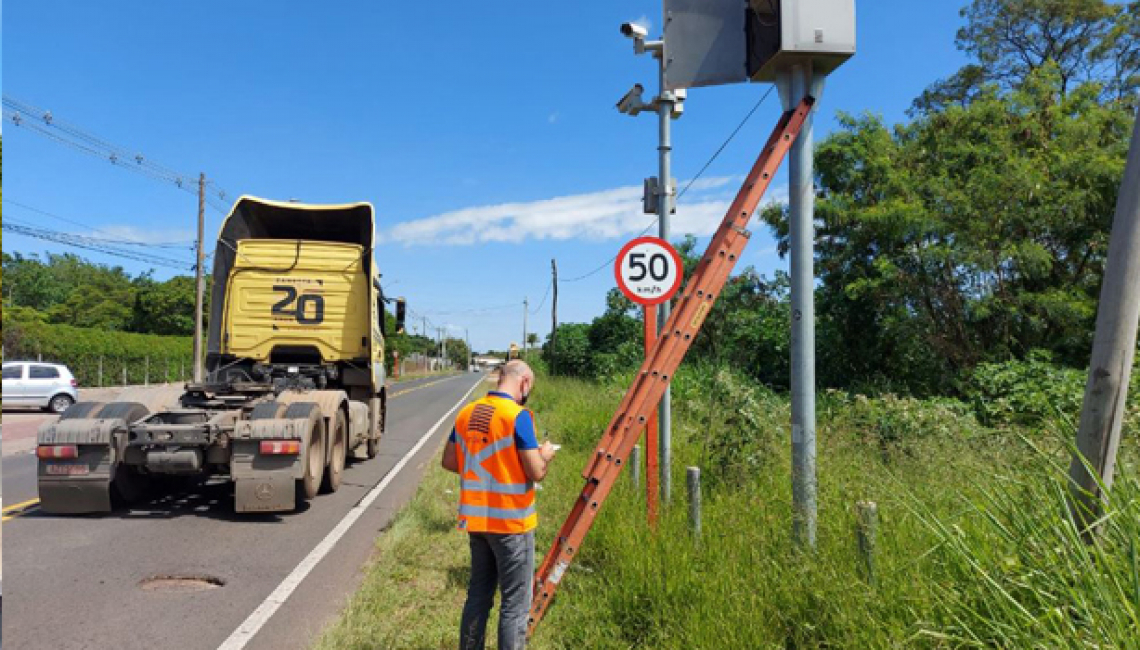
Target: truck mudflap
[(267, 482), (80, 457)]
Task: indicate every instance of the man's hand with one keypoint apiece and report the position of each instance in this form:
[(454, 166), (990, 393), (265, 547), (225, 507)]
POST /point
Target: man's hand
[(535, 462), (547, 451)]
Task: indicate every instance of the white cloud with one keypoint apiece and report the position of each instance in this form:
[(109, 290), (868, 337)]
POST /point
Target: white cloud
[(601, 215)]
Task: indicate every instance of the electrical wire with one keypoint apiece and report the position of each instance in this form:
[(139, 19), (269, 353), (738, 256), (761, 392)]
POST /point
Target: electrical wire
[(110, 237), (28, 116), (92, 244), (692, 180), (544, 297)]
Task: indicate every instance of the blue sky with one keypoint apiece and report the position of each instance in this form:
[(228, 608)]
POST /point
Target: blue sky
[(484, 133)]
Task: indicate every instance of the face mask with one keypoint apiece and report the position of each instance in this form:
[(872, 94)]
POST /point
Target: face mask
[(525, 397)]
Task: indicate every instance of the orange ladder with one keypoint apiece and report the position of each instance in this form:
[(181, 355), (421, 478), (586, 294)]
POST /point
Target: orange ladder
[(649, 386)]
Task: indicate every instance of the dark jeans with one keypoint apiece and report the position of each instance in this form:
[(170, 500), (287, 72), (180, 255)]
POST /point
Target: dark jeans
[(507, 562)]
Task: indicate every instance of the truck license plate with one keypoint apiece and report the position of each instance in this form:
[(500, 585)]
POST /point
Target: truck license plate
[(67, 469)]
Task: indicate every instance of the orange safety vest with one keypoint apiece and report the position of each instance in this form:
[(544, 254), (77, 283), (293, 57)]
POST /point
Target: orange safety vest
[(495, 495)]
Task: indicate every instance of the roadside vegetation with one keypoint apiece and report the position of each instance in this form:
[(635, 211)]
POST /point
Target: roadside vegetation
[(975, 548)]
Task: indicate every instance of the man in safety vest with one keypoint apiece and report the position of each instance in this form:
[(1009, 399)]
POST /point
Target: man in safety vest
[(495, 451)]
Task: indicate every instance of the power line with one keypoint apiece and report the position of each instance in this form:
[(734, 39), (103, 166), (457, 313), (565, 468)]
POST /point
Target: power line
[(692, 180), (93, 244), (25, 115), (110, 237), (544, 297), (477, 309)]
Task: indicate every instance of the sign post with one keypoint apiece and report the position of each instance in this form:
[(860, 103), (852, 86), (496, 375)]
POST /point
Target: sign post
[(649, 272)]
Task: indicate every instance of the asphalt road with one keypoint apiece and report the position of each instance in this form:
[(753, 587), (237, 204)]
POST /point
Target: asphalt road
[(76, 582)]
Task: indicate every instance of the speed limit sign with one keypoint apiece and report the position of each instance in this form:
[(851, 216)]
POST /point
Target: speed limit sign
[(648, 270)]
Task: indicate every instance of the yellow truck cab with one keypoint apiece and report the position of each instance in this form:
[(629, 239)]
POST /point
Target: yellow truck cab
[(295, 374)]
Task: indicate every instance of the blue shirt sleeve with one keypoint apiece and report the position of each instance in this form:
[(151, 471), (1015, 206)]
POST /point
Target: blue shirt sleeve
[(525, 436)]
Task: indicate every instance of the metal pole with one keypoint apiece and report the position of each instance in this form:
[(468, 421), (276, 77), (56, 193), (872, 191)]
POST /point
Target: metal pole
[(664, 210), (526, 308), (1114, 346), (467, 335), (801, 214), (199, 278)]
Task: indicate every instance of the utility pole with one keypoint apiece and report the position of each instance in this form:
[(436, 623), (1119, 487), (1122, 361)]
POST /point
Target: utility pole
[(467, 336), (554, 315), (1114, 346), (794, 85), (199, 278), (424, 330), (526, 308)]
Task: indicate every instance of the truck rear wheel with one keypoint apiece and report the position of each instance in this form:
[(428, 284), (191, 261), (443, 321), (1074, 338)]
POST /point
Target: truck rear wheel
[(310, 482), (339, 440)]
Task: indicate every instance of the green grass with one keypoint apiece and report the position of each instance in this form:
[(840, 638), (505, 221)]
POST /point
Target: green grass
[(975, 549)]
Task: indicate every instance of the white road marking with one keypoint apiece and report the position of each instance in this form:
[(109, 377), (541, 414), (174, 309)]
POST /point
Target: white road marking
[(260, 616)]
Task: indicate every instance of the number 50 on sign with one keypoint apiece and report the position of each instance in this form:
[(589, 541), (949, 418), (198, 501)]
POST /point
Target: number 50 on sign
[(648, 270)]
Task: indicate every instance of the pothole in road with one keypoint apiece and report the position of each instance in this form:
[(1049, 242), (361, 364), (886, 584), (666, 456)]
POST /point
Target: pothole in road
[(180, 584)]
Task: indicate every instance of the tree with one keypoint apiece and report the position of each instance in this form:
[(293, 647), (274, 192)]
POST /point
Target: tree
[(972, 234), (456, 352), (573, 357), (165, 307), (1084, 40)]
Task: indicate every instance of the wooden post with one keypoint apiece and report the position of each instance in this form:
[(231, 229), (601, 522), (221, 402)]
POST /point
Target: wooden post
[(693, 474), (199, 278), (100, 371), (651, 470), (866, 533), (395, 364), (554, 317)]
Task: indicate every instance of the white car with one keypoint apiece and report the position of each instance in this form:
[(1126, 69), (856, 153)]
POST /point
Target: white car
[(49, 386)]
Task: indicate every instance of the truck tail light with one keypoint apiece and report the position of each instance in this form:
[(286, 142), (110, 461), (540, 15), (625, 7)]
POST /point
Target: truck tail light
[(280, 447), (51, 452), (74, 383)]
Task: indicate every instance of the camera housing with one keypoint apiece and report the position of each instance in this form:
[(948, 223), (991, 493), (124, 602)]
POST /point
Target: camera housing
[(633, 30), (631, 103)]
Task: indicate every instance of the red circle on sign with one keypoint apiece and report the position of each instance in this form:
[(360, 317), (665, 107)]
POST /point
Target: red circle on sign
[(642, 300)]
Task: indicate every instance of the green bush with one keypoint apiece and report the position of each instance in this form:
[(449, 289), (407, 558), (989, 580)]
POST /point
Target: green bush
[(93, 354), (1025, 391)]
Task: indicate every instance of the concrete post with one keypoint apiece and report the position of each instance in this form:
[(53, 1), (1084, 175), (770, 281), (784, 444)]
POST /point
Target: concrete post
[(866, 534), (635, 468), (1114, 346), (693, 475)]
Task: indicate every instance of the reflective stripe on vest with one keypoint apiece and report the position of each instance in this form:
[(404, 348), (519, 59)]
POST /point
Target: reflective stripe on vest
[(495, 495)]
